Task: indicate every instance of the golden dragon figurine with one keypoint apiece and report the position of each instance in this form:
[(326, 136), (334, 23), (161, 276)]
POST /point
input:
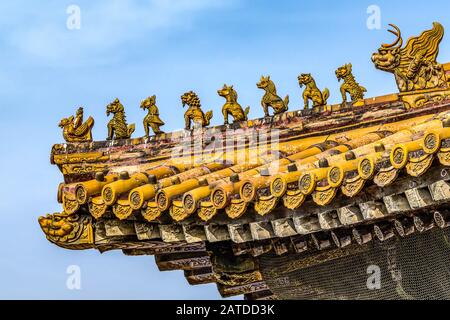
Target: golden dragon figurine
[(74, 130), (231, 106), (270, 98), (152, 119), (311, 91)]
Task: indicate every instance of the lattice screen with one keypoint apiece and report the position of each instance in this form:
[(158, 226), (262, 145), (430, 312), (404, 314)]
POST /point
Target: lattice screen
[(417, 267)]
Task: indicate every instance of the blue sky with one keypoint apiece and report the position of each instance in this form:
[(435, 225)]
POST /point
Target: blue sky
[(132, 49)]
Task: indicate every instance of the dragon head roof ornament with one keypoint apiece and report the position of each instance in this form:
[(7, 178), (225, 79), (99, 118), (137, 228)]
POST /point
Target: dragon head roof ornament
[(414, 65)]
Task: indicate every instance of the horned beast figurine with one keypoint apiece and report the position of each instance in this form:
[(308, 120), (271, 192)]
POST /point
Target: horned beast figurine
[(74, 130), (414, 66), (152, 119), (231, 106), (350, 86), (311, 91), (194, 113), (270, 98), (117, 126)]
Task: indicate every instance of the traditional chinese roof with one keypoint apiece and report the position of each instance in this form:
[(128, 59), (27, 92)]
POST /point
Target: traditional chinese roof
[(331, 177)]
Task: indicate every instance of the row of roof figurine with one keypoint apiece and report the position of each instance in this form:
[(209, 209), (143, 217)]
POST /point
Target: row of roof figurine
[(414, 67), (75, 130)]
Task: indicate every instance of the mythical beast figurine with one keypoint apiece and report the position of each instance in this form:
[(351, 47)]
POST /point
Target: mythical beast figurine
[(194, 113), (270, 98), (152, 119), (311, 91), (414, 66), (74, 130), (350, 86), (117, 126), (231, 106), (73, 231)]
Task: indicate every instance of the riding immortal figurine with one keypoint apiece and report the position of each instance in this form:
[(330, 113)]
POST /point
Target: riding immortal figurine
[(74, 130)]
